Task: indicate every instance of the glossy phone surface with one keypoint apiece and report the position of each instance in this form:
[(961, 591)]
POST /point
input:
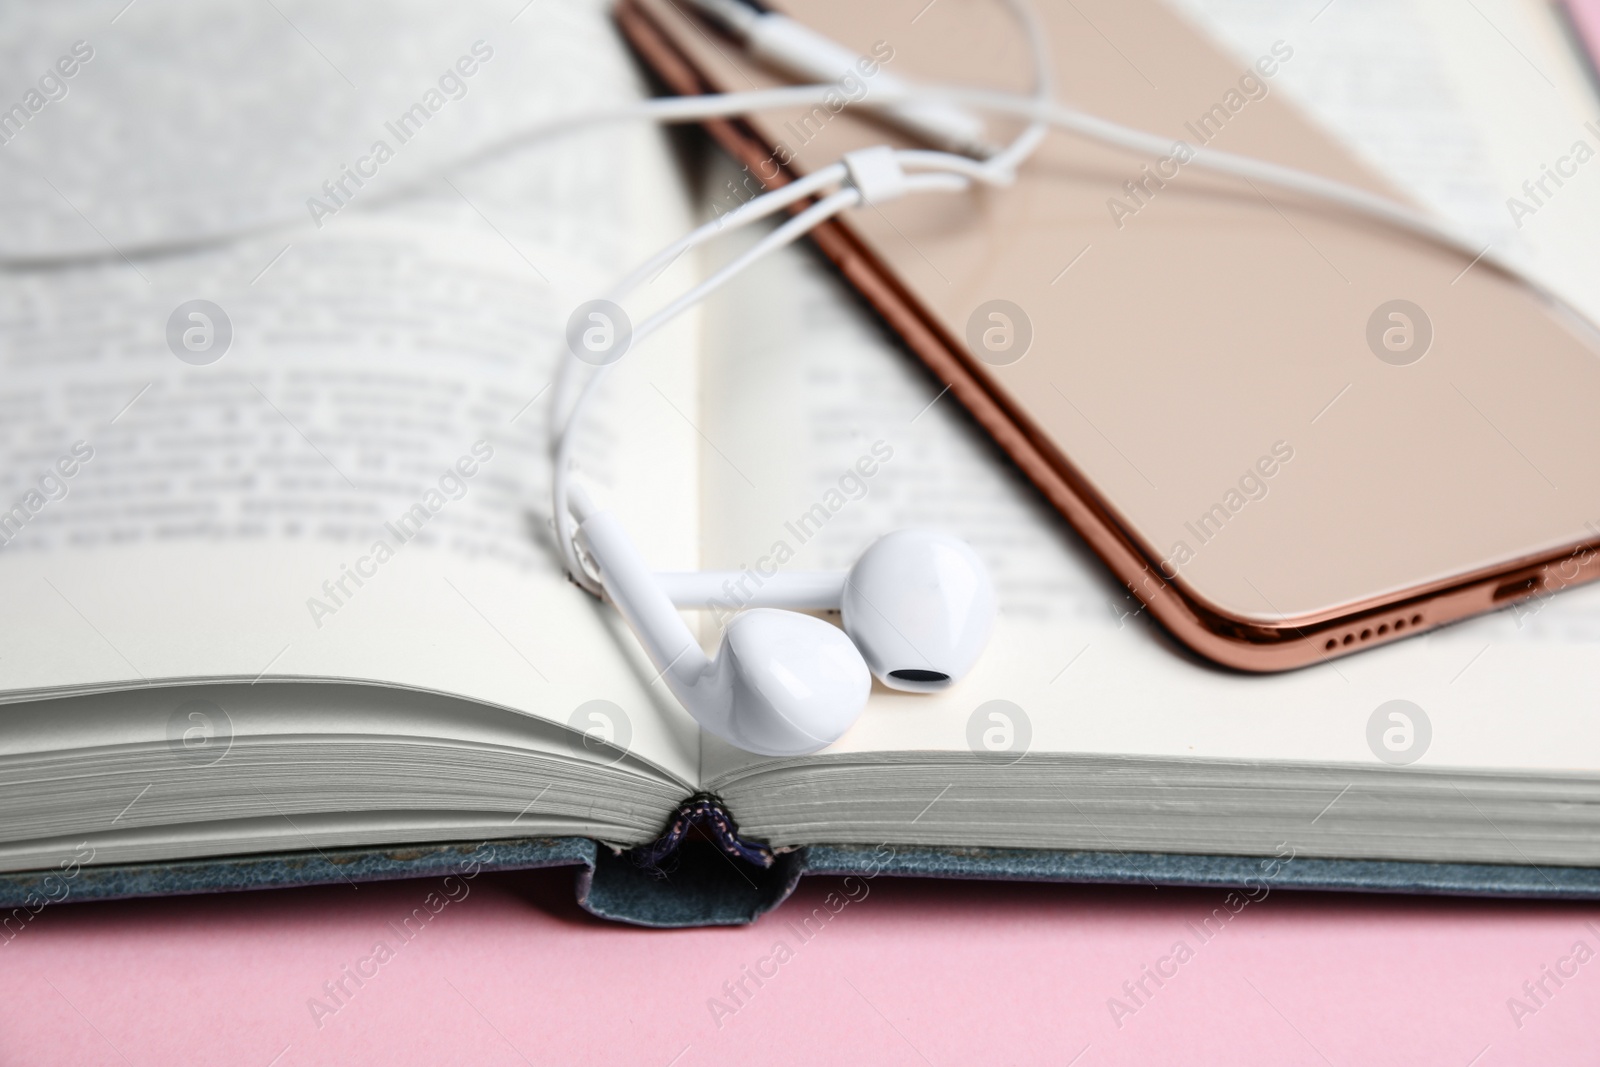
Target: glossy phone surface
[(1293, 432)]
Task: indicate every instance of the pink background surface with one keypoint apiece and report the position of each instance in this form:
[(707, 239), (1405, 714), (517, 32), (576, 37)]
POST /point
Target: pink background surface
[(914, 972)]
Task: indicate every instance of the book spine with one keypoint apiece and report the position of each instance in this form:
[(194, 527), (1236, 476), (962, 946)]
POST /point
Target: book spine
[(704, 814)]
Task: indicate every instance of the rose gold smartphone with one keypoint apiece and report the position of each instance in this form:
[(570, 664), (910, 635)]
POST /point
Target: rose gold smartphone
[(1292, 432)]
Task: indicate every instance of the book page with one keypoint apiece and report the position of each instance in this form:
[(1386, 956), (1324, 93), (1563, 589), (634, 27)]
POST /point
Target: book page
[(318, 452), (801, 380)]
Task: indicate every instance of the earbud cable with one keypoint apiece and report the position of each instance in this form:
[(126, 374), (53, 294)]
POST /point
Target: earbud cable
[(931, 171)]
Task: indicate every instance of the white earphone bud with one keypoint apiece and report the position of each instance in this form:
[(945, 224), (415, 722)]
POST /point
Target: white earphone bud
[(920, 607), (918, 604), (781, 684)]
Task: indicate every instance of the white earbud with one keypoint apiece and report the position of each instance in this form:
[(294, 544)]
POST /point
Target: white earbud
[(918, 605), (781, 684)]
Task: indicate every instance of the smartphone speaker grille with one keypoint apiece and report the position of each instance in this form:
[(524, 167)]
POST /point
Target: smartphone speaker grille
[(1367, 633)]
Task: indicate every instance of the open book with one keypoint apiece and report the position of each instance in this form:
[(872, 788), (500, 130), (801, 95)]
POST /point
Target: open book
[(279, 576)]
